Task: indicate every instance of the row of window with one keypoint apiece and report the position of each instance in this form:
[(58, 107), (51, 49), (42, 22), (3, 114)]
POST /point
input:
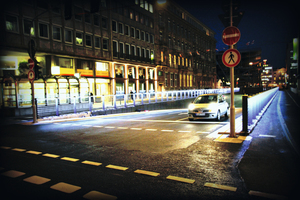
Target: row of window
[(118, 27), (119, 47), (185, 80)]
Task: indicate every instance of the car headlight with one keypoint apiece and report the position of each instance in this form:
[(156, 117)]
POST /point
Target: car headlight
[(191, 106)]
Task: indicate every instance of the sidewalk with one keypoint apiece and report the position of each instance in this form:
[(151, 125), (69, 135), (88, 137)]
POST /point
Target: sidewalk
[(270, 166)]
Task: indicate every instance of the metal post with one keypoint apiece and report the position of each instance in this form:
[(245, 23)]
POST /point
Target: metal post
[(56, 106), (232, 108), (74, 103), (33, 103), (245, 114)]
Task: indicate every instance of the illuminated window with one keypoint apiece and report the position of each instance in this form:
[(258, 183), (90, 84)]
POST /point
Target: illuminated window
[(28, 27), (162, 56), (79, 38)]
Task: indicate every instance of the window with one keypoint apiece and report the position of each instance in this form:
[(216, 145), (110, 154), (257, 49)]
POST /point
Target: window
[(151, 39), (150, 7), (147, 54), (12, 23), (133, 50), (142, 35), (146, 5), (121, 28), (56, 33), (88, 40), (43, 30), (143, 53), (104, 22), (138, 51), (28, 27), (87, 17), (78, 13), (132, 32), (147, 37), (79, 38), (115, 48), (68, 36), (126, 30), (166, 79), (97, 42), (127, 49), (137, 34), (105, 44), (114, 26), (96, 20), (171, 80), (121, 49)]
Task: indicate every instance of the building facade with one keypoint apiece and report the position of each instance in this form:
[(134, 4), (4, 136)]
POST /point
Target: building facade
[(184, 49), (101, 47)]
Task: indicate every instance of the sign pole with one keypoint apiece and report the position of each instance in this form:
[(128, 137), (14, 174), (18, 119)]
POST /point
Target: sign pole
[(232, 108), (33, 103)]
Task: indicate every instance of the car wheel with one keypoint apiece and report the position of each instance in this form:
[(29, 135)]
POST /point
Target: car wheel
[(218, 118)]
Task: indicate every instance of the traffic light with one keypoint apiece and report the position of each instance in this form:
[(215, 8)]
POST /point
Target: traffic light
[(236, 15), (37, 71), (68, 9)]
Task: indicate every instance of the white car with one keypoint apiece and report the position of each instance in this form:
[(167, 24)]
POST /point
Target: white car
[(208, 106)]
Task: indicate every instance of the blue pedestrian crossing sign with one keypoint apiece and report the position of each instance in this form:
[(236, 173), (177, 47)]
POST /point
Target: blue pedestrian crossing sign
[(231, 58)]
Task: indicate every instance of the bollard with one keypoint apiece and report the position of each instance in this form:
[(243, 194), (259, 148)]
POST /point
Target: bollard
[(245, 114)]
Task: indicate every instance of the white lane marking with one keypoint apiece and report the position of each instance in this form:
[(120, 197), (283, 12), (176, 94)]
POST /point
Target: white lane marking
[(182, 114), (167, 130), (202, 132), (122, 128), (98, 126), (171, 121), (136, 128), (151, 129), (109, 127), (87, 125), (184, 131), (271, 136)]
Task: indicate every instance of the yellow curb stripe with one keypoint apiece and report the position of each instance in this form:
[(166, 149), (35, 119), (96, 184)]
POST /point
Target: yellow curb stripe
[(176, 178), (91, 163), (50, 155), (146, 172), (19, 150), (34, 152), (3, 147), (98, 195), (222, 187), (117, 167), (38, 180), (267, 195), (65, 187), (70, 159)]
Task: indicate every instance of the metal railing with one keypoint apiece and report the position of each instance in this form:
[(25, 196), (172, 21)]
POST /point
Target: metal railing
[(254, 107), (91, 103)]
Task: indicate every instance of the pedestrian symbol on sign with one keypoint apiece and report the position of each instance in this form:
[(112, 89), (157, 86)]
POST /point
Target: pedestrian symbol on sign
[(231, 57)]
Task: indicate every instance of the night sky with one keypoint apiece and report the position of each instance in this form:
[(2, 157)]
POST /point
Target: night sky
[(266, 24)]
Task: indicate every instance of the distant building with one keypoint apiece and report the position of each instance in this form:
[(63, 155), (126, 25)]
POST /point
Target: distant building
[(267, 76), (292, 65), (280, 78)]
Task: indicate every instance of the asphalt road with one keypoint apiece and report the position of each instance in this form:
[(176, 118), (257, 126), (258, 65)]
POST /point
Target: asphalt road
[(145, 155)]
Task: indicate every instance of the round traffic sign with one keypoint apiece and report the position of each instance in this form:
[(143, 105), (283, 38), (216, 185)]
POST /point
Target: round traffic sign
[(31, 63), (231, 58), (231, 35), (31, 75)]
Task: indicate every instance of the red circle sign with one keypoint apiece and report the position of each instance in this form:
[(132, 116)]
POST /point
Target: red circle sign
[(31, 63), (231, 58), (31, 75), (231, 35)]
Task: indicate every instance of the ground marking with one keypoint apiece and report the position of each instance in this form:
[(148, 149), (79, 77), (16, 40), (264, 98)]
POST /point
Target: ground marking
[(222, 187), (202, 132), (13, 173), (19, 150), (184, 131), (98, 126), (122, 127), (167, 130), (51, 155), (272, 136), (98, 195), (136, 128), (38, 180), (151, 129), (65, 187), (176, 178), (3, 147), (109, 127), (70, 159), (266, 195), (146, 172), (117, 167), (34, 152), (91, 163), (87, 125)]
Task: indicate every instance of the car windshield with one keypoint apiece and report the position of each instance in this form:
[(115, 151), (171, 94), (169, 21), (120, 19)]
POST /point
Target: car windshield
[(206, 99)]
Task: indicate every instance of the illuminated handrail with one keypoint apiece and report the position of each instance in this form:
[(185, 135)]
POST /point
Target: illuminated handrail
[(107, 102)]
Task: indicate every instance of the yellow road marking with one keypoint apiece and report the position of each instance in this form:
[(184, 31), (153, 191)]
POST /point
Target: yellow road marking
[(51, 155), (13, 173), (65, 187), (19, 150), (3, 147), (222, 187), (146, 172), (117, 167), (38, 180), (34, 152), (70, 159), (98, 195), (266, 195), (91, 163), (176, 178)]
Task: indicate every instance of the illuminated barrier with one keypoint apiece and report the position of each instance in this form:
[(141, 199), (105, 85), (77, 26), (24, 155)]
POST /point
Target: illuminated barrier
[(254, 107), (64, 105)]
